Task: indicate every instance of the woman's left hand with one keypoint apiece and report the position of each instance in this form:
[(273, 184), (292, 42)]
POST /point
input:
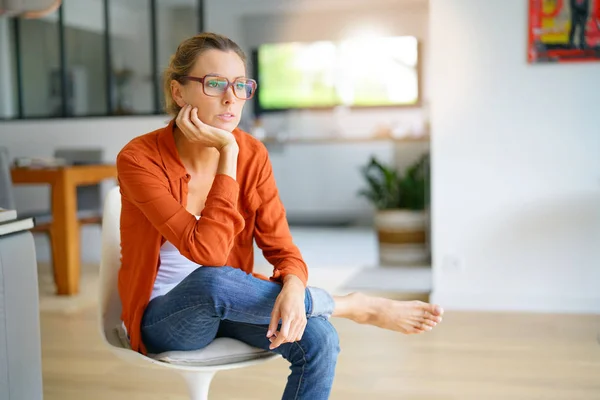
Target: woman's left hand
[(290, 308)]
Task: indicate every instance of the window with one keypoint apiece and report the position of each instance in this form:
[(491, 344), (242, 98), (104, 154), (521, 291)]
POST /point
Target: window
[(39, 53), (92, 57), (8, 70), (131, 59), (176, 21), (85, 58)]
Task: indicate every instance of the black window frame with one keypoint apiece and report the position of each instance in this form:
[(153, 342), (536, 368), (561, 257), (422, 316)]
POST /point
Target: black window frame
[(110, 107)]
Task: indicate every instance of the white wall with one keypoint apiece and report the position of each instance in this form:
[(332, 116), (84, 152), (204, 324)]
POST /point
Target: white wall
[(516, 166)]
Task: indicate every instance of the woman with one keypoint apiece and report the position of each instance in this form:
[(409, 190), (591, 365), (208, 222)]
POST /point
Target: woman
[(195, 194)]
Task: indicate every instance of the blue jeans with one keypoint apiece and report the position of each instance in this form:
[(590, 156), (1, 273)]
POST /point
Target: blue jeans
[(226, 302)]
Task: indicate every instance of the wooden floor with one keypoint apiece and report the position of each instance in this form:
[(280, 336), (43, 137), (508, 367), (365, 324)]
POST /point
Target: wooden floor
[(483, 356)]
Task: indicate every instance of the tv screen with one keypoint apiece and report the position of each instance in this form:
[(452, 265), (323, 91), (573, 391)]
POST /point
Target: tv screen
[(373, 72)]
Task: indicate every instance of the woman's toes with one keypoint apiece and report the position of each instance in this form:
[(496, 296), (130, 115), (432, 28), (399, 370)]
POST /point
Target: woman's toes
[(430, 324), (434, 318), (436, 310), (421, 326), (427, 309), (402, 316)]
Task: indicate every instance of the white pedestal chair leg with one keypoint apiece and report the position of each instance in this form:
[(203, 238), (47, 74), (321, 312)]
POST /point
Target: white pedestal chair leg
[(198, 384)]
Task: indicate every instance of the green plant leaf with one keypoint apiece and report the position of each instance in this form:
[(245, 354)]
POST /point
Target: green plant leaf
[(388, 188)]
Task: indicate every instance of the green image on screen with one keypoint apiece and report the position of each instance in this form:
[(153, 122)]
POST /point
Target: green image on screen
[(373, 72)]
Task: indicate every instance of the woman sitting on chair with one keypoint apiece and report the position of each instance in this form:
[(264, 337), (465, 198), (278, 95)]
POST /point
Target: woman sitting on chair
[(195, 194)]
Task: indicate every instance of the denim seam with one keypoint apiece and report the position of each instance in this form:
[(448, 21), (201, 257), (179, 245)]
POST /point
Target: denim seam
[(303, 367), (188, 308), (247, 323)]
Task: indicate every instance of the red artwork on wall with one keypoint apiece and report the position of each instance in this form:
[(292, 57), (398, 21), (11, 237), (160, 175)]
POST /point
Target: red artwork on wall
[(564, 31)]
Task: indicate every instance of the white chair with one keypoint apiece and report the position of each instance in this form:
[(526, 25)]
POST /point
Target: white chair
[(197, 367)]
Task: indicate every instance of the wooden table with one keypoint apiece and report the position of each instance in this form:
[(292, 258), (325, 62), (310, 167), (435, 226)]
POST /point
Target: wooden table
[(65, 226)]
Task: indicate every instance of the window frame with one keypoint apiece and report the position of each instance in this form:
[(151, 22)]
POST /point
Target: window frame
[(110, 107)]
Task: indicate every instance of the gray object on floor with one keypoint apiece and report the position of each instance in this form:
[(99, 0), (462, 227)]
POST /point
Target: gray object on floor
[(20, 342), (412, 280)]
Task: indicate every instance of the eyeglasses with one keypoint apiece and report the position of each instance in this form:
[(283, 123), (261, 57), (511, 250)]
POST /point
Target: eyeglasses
[(216, 86)]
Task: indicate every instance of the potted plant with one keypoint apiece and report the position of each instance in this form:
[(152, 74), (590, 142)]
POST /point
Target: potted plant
[(400, 199)]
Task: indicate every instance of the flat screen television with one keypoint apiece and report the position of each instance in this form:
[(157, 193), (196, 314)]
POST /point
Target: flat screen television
[(357, 73)]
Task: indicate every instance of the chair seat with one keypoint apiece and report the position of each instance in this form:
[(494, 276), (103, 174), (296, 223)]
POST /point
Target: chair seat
[(219, 352)]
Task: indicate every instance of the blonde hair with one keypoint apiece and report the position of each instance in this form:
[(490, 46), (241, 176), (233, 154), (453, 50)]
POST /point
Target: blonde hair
[(183, 60)]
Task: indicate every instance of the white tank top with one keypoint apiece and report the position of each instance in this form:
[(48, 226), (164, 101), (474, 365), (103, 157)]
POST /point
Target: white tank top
[(173, 269)]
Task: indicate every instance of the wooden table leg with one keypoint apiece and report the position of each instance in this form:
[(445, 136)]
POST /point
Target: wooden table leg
[(65, 236)]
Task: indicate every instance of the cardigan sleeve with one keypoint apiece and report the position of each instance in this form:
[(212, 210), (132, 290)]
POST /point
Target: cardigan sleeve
[(271, 231)]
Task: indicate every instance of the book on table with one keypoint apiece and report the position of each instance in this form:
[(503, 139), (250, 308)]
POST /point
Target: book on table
[(10, 223), (7, 214)]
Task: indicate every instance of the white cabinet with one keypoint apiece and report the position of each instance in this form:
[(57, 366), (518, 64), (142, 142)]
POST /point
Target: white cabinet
[(20, 345)]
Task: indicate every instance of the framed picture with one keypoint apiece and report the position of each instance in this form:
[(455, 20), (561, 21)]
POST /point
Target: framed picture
[(564, 31)]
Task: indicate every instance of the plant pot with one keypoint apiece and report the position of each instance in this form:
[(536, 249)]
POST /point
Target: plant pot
[(402, 237)]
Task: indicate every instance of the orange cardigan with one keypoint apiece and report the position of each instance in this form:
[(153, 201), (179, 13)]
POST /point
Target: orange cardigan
[(154, 186)]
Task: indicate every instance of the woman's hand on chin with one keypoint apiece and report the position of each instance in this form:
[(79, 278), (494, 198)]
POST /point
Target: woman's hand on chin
[(197, 131)]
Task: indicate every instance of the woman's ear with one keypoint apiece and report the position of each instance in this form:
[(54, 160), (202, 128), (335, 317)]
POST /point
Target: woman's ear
[(177, 93)]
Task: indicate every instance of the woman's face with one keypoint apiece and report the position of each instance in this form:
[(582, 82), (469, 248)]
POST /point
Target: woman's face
[(225, 110)]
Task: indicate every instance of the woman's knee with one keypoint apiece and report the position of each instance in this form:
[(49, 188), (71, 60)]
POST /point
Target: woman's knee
[(320, 342), (325, 335)]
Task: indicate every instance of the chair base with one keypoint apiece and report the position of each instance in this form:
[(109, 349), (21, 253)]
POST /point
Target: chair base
[(198, 383)]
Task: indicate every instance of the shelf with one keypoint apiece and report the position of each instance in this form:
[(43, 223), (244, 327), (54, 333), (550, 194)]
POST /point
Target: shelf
[(334, 140)]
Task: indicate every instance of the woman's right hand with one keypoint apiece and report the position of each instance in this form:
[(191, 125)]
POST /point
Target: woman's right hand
[(197, 131)]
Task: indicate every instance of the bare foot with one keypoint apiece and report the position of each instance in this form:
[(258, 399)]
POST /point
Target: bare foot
[(401, 316)]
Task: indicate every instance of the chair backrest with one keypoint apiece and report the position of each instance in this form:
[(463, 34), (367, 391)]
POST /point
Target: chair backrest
[(110, 302), (89, 197), (7, 198)]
